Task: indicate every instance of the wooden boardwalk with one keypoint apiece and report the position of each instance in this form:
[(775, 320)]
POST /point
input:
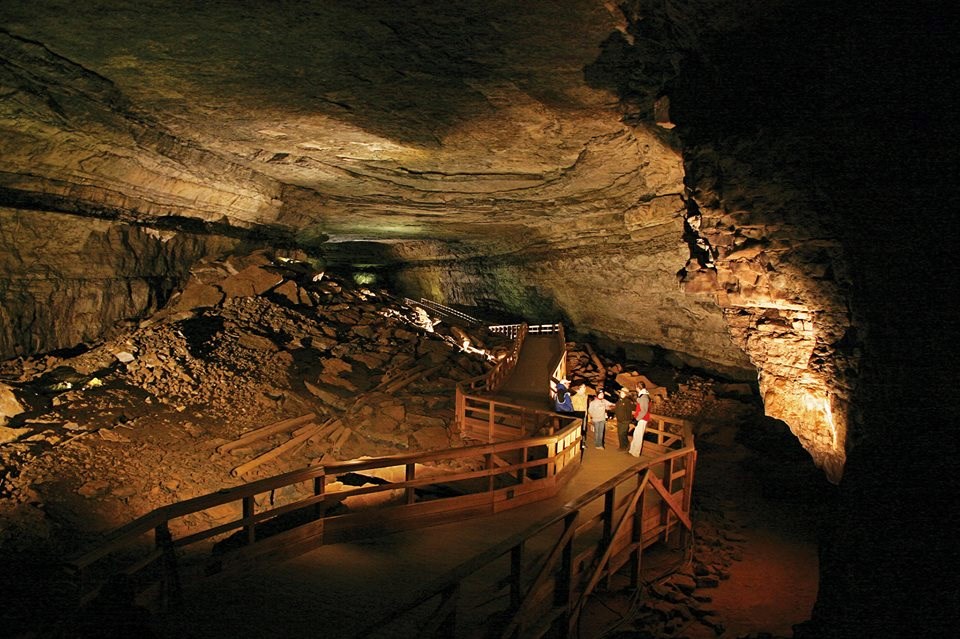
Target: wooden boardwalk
[(333, 590), (515, 534), (529, 383)]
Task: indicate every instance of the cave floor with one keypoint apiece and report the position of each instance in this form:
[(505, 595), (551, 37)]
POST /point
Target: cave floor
[(774, 586), (770, 585)]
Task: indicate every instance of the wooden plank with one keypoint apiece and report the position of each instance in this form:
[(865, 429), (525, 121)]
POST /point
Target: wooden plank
[(265, 431), (672, 503), (271, 454), (342, 439)]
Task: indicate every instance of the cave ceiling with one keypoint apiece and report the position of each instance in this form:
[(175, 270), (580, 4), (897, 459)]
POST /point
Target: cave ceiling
[(378, 120), (521, 152)]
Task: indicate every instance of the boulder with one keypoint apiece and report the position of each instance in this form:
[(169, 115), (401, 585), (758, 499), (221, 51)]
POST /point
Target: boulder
[(432, 438), (249, 282), (196, 294), (8, 435), (9, 405), (289, 290)]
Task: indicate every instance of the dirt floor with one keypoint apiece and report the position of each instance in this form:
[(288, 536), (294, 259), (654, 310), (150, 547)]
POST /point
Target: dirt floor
[(112, 430), (772, 583)]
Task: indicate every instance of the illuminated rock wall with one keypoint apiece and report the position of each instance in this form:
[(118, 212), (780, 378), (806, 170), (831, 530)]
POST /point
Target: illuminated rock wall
[(65, 279)]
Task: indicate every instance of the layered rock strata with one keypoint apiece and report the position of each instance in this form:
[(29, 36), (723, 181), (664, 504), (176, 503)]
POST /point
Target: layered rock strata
[(66, 279)]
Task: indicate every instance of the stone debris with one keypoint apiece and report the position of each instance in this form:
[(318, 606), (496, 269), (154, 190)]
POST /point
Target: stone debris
[(247, 342), (246, 345), (676, 605)]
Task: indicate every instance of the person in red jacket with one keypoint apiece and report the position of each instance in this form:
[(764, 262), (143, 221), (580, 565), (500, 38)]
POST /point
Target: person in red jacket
[(642, 415)]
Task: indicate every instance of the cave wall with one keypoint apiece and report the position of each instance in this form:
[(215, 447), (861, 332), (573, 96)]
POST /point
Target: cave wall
[(67, 279), (615, 279), (805, 138)]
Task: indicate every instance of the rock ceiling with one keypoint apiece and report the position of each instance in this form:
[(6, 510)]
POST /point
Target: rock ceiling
[(396, 120), (490, 151)]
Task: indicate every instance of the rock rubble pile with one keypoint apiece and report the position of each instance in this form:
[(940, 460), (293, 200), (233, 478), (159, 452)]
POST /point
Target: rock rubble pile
[(100, 437)]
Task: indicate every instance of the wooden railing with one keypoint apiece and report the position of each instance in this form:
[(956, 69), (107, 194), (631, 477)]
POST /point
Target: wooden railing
[(560, 370), (495, 378), (442, 309), (486, 419), (537, 581), (294, 512), (511, 330)]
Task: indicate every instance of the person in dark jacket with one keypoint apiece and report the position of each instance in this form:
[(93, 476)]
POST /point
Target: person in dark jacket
[(623, 411), (562, 403)]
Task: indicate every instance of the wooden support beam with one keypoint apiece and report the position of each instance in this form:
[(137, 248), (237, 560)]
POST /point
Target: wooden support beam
[(266, 431), (344, 436), (242, 469)]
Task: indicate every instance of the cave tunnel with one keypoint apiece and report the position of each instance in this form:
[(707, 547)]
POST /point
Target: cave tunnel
[(746, 189)]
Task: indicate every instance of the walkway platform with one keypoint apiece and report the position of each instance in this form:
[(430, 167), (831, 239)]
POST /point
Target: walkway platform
[(529, 383), (334, 590), (524, 528)]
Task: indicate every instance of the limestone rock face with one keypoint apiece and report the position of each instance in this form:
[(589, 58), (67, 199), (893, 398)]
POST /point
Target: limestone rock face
[(90, 150), (686, 175), (65, 280), (517, 153), (783, 284)]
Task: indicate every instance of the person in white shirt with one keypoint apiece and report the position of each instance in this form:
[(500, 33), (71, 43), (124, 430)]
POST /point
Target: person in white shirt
[(598, 416)]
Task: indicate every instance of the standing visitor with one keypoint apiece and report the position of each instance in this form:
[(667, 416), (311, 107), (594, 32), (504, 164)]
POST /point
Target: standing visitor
[(642, 414), (624, 414), (561, 400), (598, 416), (580, 401)]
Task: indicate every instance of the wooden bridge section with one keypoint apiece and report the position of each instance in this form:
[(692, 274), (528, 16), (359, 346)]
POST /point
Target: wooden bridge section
[(470, 557)]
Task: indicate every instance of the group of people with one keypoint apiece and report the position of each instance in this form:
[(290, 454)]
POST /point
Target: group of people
[(632, 411)]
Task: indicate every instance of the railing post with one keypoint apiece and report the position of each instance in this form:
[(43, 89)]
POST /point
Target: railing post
[(460, 412), (690, 464), (636, 556), (249, 528), (319, 488), (665, 514), (524, 458), (564, 588), (488, 458), (606, 537), (410, 476), (491, 409), (170, 593)]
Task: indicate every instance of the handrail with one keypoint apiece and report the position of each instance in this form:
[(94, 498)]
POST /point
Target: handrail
[(562, 444), (442, 309), (623, 544), (505, 366), (560, 370), (510, 330)]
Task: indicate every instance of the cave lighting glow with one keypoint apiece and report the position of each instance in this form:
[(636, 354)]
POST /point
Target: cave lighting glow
[(364, 278)]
